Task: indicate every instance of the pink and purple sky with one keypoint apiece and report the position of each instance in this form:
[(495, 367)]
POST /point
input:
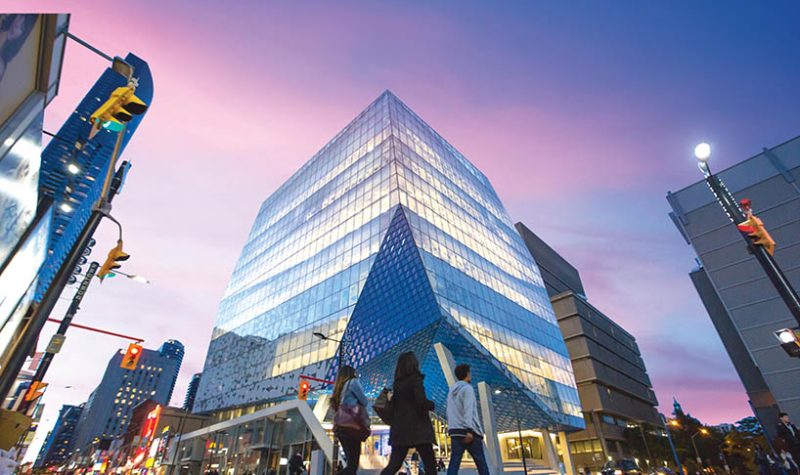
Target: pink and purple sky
[(582, 114)]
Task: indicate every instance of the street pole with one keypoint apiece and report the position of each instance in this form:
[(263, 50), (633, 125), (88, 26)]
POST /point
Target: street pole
[(522, 443), (737, 216), (37, 316), (672, 445), (696, 452), (340, 363), (646, 447), (177, 444), (335, 457), (47, 358)]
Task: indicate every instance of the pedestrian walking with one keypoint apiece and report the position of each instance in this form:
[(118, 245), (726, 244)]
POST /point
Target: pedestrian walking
[(788, 462), (351, 422), (296, 464), (762, 460), (790, 434), (464, 425), (411, 422)]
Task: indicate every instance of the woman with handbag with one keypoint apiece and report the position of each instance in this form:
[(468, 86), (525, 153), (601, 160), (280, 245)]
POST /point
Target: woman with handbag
[(350, 422), (411, 421)]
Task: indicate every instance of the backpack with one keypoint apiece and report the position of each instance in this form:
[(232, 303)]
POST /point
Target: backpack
[(384, 407)]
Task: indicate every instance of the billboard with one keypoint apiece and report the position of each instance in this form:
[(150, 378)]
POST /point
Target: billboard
[(20, 37)]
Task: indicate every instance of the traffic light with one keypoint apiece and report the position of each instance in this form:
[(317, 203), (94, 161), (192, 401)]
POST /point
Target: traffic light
[(115, 256), (790, 341), (35, 390), (131, 358), (758, 233), (302, 390), (120, 108)]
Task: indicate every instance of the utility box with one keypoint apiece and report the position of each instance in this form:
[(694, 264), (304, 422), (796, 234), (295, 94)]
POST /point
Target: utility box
[(12, 425)]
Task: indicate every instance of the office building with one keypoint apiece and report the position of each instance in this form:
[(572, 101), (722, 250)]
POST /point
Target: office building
[(614, 388), (389, 239), (743, 304), (108, 410), (57, 447), (191, 392)]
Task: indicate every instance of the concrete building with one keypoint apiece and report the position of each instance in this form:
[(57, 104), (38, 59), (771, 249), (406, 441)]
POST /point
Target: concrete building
[(110, 406), (743, 305), (613, 385)]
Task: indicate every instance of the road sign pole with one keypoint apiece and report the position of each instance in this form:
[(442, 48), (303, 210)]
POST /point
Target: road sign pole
[(55, 343)]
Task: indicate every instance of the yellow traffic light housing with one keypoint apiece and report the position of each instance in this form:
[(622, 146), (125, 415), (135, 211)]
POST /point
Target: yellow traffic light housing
[(115, 255), (118, 109), (302, 390), (131, 358), (755, 229)]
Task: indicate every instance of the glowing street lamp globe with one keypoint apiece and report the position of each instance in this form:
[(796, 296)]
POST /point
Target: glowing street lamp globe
[(702, 151)]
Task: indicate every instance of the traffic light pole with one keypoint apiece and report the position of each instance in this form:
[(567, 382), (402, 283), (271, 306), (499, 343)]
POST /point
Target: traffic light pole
[(776, 276), (37, 315), (47, 358)]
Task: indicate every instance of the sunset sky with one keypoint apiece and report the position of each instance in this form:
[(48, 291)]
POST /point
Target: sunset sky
[(582, 114)]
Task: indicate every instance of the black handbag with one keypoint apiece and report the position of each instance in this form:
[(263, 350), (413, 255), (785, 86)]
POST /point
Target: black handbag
[(384, 407)]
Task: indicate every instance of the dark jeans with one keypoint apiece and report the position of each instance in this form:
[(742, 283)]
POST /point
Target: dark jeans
[(399, 455), (352, 453), (475, 449)]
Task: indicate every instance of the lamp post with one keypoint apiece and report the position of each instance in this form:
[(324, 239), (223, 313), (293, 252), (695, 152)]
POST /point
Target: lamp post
[(646, 446), (703, 152), (671, 444), (701, 431), (519, 433), (322, 336)]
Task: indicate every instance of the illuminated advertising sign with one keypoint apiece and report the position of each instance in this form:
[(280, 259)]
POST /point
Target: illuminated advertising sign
[(146, 437)]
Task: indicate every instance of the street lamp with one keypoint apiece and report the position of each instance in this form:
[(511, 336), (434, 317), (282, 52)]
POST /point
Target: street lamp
[(133, 277), (673, 423), (702, 151), (646, 446), (790, 341), (701, 431), (519, 433), (735, 213), (324, 337)]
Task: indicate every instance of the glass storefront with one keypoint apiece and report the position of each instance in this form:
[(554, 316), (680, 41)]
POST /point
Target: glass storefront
[(248, 446)]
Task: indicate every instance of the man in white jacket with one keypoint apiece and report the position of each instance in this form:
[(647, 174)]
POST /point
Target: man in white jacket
[(464, 425)]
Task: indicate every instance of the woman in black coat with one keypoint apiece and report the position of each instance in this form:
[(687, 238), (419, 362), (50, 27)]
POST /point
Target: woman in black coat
[(411, 422)]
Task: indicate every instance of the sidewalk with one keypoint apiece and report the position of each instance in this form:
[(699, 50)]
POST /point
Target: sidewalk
[(468, 468)]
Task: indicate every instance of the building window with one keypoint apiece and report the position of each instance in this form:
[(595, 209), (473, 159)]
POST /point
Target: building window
[(585, 447), (532, 448)]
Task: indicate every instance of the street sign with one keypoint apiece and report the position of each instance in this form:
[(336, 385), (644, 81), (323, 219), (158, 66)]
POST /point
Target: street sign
[(56, 342)]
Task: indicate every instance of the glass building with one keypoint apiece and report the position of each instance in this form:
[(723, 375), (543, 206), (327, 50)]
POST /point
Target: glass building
[(390, 240)]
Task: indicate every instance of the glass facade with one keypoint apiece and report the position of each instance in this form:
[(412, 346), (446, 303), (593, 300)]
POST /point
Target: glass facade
[(389, 239)]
